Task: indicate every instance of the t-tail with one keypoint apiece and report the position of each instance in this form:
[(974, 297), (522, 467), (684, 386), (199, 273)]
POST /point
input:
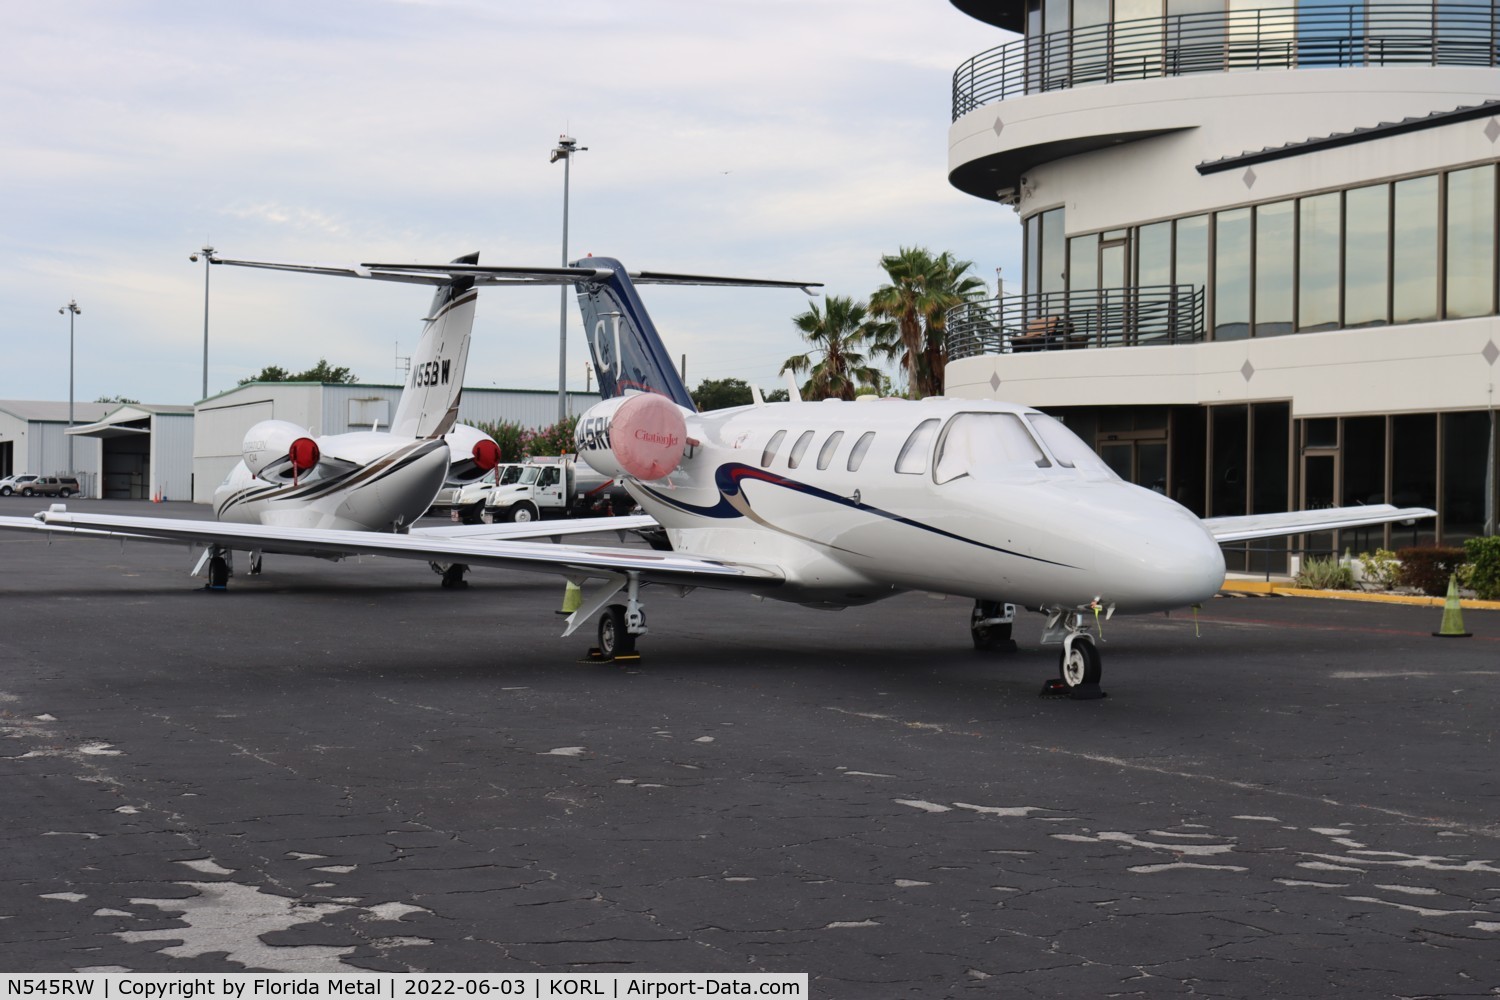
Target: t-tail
[(628, 352), (429, 401)]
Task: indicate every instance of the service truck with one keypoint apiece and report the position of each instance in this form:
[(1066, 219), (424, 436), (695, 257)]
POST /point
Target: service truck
[(466, 502), (556, 487)]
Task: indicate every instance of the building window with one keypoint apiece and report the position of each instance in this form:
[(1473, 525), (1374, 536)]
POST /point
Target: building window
[(1466, 443), (1367, 258), (1232, 274), (1275, 228), (1415, 245), (1319, 233), (1470, 258)]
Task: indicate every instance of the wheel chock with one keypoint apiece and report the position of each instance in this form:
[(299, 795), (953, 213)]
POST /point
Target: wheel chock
[(1055, 688), (594, 656), (628, 658)]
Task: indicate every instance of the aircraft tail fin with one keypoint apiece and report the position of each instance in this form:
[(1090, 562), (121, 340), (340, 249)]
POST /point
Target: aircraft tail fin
[(628, 353), (429, 400)]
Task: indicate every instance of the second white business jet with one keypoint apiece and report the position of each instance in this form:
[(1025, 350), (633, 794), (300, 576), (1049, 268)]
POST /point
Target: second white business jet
[(832, 504)]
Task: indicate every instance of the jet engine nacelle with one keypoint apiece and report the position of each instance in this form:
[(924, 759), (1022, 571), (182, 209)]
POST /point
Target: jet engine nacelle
[(272, 441), (640, 436), (473, 454)]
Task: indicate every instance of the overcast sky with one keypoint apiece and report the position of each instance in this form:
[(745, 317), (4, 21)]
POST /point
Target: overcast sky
[(795, 139)]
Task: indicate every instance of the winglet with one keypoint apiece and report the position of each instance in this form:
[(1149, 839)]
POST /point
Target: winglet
[(793, 393), (755, 395)]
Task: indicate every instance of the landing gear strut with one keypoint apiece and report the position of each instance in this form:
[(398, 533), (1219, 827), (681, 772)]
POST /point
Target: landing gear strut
[(1079, 666), (452, 574), (619, 624), (990, 626)]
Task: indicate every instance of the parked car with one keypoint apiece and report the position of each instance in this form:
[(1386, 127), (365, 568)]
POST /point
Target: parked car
[(13, 484), (50, 486)]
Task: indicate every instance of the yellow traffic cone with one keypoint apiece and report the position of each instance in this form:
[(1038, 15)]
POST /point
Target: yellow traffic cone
[(572, 599), (1453, 614)]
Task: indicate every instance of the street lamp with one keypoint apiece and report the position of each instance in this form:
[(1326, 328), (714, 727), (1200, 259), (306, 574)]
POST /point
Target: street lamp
[(566, 147), (208, 256), (72, 310)]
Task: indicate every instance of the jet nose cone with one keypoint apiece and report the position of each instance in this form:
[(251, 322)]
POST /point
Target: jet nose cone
[(1159, 557)]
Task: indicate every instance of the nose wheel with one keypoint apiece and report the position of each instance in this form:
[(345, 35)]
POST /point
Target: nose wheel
[(1079, 665)]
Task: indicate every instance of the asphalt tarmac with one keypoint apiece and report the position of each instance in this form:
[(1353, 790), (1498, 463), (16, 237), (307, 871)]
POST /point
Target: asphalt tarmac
[(342, 767)]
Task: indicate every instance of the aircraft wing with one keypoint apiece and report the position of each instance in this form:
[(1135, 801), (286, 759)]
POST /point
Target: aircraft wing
[(573, 561), (1251, 526), (537, 529)]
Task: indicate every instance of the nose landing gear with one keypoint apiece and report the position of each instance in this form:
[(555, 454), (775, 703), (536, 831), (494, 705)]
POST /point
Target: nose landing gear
[(1079, 666)]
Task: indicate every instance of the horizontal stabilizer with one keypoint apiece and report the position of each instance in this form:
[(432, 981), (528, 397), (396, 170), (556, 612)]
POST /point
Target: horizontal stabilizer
[(1251, 526)]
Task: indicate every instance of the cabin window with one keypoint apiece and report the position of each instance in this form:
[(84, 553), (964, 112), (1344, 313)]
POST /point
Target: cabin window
[(549, 476), (987, 446), (799, 449), (913, 458), (1068, 448), (771, 446), (857, 453), (825, 455)]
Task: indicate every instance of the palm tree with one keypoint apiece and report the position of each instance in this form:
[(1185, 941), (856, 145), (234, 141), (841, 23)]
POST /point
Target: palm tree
[(838, 333), (922, 289)]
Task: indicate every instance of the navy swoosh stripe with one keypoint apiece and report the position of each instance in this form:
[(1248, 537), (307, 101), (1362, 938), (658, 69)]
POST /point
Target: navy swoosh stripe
[(728, 478)]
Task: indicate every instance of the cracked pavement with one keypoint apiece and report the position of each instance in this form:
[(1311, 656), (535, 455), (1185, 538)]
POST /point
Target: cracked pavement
[(337, 767)]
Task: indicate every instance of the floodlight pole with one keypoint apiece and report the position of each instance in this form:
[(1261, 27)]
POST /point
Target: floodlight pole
[(566, 147), (72, 310), (208, 254)]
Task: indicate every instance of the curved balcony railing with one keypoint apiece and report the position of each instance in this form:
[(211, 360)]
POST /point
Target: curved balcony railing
[(1055, 321), (1387, 34)]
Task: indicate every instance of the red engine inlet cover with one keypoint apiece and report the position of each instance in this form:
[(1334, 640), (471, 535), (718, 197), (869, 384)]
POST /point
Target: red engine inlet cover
[(304, 454), (486, 454), (647, 436)]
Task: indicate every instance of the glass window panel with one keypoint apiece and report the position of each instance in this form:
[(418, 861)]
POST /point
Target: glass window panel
[(861, 447), (1367, 224), (1274, 226), (1322, 432), (1464, 33), (1083, 263), (1195, 36), (1415, 250), (1153, 250), (1227, 484), (1232, 275), (1137, 39), (1059, 42), (829, 447), (1262, 34), (1191, 261), (1318, 262), (989, 447), (799, 449), (1054, 253), (1466, 440), (1471, 242), (913, 457), (1272, 426), (1364, 479), (1414, 474), (771, 446), (1329, 33), (1033, 258), (1090, 40)]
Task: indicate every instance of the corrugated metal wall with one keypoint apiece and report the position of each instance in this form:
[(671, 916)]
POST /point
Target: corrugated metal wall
[(172, 455)]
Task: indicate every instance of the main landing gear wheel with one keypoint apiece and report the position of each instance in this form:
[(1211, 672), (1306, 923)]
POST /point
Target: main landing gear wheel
[(452, 574), (218, 574), (987, 633), (615, 640)]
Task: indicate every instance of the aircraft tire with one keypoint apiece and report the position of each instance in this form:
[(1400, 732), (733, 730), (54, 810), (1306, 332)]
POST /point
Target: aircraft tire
[(989, 637), (614, 640), (1080, 666)]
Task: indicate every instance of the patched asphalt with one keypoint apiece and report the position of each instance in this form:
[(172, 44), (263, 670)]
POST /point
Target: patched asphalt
[(337, 767)]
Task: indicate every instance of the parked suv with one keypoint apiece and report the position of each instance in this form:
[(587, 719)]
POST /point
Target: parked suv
[(50, 486), (13, 484)]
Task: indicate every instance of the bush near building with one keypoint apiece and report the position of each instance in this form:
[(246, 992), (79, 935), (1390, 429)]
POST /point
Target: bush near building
[(1484, 560), (1428, 568)]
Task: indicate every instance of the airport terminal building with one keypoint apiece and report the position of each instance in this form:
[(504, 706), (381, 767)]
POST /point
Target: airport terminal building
[(1260, 247)]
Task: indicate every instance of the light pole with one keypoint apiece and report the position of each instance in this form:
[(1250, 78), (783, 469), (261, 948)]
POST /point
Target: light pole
[(72, 310), (208, 256), (566, 147)]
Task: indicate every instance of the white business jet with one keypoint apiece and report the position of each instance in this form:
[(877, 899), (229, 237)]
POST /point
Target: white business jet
[(375, 480), (832, 504)]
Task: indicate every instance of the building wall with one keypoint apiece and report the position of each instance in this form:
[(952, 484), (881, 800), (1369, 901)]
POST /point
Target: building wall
[(172, 455)]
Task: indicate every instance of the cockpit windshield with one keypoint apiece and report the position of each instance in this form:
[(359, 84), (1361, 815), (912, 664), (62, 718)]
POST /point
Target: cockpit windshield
[(528, 475), (987, 446), (1068, 448)]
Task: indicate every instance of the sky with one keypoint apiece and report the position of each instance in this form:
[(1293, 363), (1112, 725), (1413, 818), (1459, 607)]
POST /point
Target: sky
[(785, 139)]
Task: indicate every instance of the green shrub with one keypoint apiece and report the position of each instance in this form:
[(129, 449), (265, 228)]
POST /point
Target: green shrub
[(1328, 573), (1382, 568), (1484, 561), (1429, 567)]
